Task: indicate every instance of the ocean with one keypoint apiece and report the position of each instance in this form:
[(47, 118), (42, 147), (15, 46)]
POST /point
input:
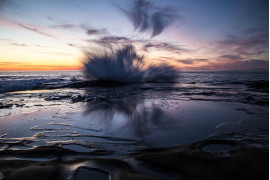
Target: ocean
[(28, 80), (238, 86)]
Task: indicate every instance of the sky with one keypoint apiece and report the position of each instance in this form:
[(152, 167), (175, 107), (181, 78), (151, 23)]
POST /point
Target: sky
[(187, 34)]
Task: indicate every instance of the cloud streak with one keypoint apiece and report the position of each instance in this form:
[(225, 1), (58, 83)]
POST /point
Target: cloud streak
[(146, 17), (110, 40), (146, 45), (64, 26), (250, 64), (35, 30), (192, 61), (17, 44), (164, 46), (188, 61), (232, 63), (230, 57), (85, 28), (246, 44)]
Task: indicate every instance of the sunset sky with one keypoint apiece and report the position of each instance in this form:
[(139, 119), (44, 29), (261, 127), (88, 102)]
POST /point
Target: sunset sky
[(188, 34)]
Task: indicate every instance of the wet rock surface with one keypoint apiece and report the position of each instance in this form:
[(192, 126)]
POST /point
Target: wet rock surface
[(75, 129), (192, 162), (187, 161), (9, 104)]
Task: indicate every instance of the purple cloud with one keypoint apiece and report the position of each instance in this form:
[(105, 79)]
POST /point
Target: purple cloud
[(88, 31), (35, 30), (164, 46), (254, 43), (230, 57), (145, 16)]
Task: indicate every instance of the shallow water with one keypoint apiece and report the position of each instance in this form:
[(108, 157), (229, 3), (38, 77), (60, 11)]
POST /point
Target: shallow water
[(128, 124)]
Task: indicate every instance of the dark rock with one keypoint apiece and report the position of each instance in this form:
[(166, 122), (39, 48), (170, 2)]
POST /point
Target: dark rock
[(242, 162), (262, 103), (76, 98), (5, 105), (33, 173)]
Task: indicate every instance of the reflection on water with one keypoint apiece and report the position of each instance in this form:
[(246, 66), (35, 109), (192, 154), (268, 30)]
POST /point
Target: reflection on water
[(137, 117), (166, 122), (114, 123)]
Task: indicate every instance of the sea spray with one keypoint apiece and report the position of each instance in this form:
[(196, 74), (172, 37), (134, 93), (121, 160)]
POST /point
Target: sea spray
[(124, 64)]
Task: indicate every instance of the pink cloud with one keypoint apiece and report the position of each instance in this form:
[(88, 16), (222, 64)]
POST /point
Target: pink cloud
[(234, 65), (42, 30)]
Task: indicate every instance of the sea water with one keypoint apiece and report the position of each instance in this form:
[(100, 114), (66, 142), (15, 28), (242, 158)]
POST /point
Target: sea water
[(27, 80)]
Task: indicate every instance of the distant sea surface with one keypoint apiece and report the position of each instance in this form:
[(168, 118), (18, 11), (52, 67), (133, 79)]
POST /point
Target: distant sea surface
[(11, 81), (27, 80)]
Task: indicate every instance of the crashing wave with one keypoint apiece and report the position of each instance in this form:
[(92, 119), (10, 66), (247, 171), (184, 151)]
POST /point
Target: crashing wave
[(125, 65)]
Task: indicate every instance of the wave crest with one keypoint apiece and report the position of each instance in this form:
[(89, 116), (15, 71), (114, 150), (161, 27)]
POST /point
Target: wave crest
[(124, 64)]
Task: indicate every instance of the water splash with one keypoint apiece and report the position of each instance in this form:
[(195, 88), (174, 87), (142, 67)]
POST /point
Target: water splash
[(124, 64)]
